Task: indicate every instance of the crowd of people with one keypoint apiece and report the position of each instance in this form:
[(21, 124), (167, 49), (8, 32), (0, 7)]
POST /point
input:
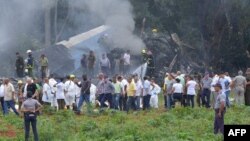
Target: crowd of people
[(121, 92)]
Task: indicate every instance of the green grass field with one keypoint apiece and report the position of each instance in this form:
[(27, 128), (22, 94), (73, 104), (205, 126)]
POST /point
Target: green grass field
[(179, 124)]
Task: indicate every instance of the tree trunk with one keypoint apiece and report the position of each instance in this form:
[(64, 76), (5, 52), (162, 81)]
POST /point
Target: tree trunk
[(47, 23)]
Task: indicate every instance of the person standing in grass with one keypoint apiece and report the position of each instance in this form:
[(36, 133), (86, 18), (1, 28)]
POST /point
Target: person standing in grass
[(154, 90), (29, 108), (146, 93), (138, 93), (206, 91), (47, 95), (239, 83), (60, 94), (169, 85), (177, 90), (220, 109), (118, 91), (2, 96), (191, 86), (9, 97), (131, 90)]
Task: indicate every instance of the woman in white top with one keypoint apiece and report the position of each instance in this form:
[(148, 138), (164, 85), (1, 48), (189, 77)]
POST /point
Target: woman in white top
[(154, 91), (177, 90), (191, 86)]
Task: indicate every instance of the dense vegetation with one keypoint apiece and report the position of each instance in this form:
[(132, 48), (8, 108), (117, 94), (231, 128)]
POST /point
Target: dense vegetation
[(156, 125)]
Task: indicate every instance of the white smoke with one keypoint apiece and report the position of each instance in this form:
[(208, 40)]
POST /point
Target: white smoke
[(118, 14)]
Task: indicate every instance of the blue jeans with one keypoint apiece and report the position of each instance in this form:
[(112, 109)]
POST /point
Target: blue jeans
[(2, 103), (105, 97), (146, 100), (30, 119), (227, 98), (84, 97), (169, 101), (190, 98), (10, 104), (137, 102), (116, 99), (206, 97)]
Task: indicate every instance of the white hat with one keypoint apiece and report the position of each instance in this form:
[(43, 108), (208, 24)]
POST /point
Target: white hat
[(29, 51)]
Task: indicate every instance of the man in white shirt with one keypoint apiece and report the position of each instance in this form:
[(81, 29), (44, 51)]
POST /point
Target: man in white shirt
[(126, 58), (9, 97), (105, 64), (47, 95), (60, 94), (225, 82), (146, 93)]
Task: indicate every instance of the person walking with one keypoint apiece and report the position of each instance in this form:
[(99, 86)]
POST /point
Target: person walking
[(108, 91), (85, 94), (19, 65), (9, 97), (30, 107), (239, 83), (220, 109)]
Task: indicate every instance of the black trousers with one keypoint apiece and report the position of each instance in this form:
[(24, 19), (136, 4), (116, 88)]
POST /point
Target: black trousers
[(123, 102), (30, 119)]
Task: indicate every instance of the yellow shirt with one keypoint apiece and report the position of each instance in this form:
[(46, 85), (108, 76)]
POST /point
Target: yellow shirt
[(131, 89)]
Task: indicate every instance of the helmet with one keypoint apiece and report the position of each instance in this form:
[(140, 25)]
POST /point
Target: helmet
[(20, 82), (29, 51)]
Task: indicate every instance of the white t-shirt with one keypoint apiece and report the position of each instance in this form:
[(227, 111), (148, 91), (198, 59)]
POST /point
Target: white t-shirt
[(138, 88), (2, 91), (126, 58), (146, 87), (60, 91), (52, 82), (191, 87), (47, 96), (178, 88), (124, 82)]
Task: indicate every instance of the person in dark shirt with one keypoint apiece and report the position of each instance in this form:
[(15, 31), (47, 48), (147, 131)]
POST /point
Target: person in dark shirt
[(85, 93), (19, 65), (30, 86)]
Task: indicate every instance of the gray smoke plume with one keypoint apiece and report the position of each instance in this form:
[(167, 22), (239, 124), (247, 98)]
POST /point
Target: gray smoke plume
[(117, 14)]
